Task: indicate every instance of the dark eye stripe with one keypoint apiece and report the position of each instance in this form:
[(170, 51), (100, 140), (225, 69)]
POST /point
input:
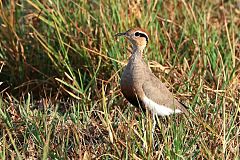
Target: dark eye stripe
[(141, 35), (137, 34)]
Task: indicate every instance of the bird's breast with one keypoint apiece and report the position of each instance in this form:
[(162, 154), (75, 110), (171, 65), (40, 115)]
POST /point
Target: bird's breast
[(133, 75), (132, 79)]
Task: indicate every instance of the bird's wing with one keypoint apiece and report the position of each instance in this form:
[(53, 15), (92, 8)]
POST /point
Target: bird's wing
[(157, 92)]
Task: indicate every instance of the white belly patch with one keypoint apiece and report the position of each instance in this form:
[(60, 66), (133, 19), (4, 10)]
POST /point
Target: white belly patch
[(159, 109)]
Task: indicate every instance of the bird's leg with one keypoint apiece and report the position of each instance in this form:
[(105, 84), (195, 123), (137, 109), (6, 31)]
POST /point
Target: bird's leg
[(153, 128)]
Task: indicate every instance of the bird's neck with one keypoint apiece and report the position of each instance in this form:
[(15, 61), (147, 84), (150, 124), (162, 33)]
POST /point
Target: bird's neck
[(138, 51)]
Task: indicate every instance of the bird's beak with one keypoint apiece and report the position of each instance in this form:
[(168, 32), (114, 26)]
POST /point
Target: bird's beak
[(120, 34)]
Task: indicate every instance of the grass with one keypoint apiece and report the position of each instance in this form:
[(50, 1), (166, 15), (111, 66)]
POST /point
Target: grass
[(60, 72)]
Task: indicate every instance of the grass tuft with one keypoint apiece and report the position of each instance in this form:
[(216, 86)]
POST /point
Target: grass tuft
[(60, 68)]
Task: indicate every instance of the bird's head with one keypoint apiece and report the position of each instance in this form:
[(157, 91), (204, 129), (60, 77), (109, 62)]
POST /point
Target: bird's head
[(137, 36)]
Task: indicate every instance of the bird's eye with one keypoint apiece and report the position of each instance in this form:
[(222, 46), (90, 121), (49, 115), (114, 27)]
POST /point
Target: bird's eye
[(137, 34)]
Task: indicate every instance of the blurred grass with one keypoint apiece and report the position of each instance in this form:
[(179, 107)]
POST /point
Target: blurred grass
[(60, 72)]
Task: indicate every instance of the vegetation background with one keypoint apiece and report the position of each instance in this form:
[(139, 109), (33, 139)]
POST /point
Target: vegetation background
[(60, 67)]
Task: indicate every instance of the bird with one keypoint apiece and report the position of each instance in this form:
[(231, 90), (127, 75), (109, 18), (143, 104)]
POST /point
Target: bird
[(138, 83), (143, 89)]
